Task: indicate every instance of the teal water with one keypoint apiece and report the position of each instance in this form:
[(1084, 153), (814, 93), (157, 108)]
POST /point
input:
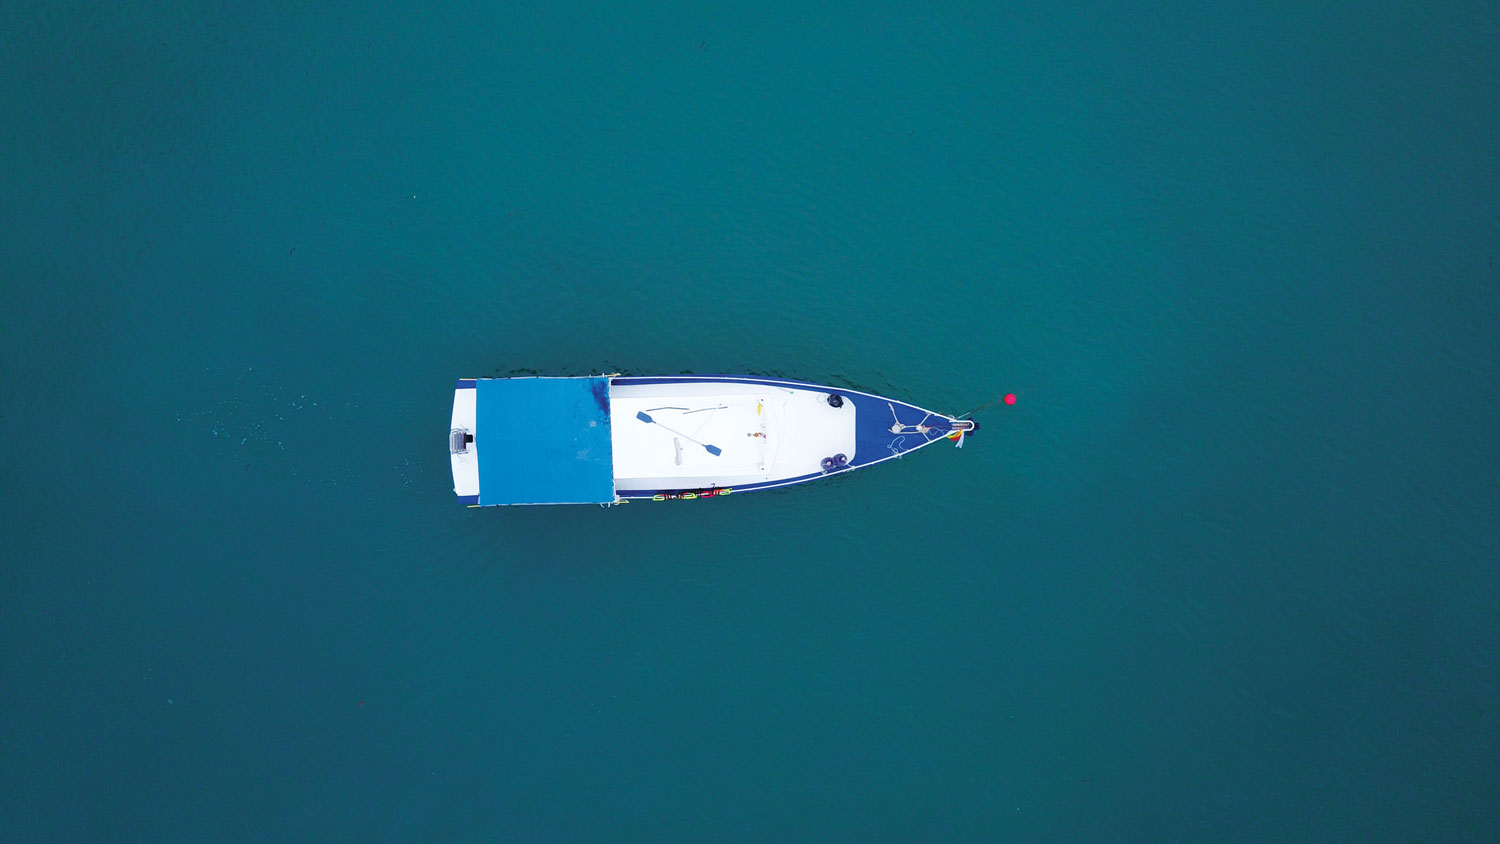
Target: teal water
[(1226, 571)]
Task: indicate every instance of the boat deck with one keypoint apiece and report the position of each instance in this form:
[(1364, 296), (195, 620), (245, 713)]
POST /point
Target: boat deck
[(801, 429), (675, 442), (762, 432)]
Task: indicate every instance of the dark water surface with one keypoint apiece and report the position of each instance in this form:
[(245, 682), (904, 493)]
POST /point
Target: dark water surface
[(1226, 572)]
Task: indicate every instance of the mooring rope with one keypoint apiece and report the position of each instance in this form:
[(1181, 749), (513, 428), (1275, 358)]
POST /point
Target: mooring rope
[(997, 400)]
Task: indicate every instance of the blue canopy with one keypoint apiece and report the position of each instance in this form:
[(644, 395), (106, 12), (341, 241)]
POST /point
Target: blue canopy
[(544, 441)]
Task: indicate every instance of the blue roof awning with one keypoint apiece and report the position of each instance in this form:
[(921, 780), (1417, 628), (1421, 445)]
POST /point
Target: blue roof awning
[(544, 441)]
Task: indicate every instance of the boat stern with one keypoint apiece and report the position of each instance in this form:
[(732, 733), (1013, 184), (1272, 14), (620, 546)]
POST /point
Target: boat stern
[(462, 450)]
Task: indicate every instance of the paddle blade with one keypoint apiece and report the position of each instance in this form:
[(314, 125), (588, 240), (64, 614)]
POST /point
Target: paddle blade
[(641, 415), (714, 450)]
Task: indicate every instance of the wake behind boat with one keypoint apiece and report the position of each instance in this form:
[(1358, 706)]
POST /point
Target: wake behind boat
[(605, 439)]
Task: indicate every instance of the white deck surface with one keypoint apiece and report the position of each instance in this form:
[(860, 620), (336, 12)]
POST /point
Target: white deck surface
[(765, 433), (465, 466), (737, 425)]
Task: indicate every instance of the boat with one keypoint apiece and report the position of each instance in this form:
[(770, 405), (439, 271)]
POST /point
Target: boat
[(608, 439)]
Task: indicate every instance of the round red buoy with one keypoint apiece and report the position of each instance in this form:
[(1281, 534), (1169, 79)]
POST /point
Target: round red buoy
[(1010, 398)]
